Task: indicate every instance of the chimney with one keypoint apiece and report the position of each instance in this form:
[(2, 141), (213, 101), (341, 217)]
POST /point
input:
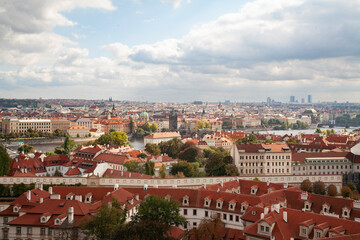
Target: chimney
[(50, 190), (116, 186), (262, 215), (221, 183), (266, 210), (41, 200), (71, 215), (28, 195), (137, 197), (285, 216), (145, 187), (122, 173)]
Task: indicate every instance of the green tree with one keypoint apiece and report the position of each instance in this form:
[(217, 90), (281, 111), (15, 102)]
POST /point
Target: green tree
[(216, 163), (306, 185), (351, 185), (57, 173), (182, 166), (268, 141), (77, 135), (231, 170), (68, 145), (208, 229), (154, 127), (113, 138), (132, 126), (5, 161), (256, 179), (146, 127), (133, 166), (141, 155), (150, 168), (59, 150), (332, 190), (162, 171), (346, 192), (248, 139), (105, 222), (153, 220), (318, 130), (202, 124), (120, 138), (153, 208), (319, 187), (190, 154), (18, 189), (172, 147), (25, 148), (153, 149)]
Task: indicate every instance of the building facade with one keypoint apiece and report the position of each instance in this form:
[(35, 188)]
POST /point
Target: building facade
[(262, 159)]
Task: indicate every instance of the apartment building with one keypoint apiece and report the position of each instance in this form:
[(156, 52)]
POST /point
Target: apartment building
[(262, 159), (15, 125)]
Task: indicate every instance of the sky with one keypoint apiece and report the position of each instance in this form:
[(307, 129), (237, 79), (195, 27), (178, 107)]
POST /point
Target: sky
[(180, 50)]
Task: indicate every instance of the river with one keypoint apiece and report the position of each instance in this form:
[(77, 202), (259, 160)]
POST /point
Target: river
[(139, 143)]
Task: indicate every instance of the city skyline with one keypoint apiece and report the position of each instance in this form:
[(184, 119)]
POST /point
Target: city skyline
[(181, 51)]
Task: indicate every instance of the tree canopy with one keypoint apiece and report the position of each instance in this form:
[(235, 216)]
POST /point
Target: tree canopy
[(68, 145), (153, 149), (113, 138), (153, 220), (25, 148), (105, 222), (5, 161)]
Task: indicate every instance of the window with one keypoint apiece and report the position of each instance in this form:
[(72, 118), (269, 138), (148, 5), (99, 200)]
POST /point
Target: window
[(194, 224), (206, 214), (185, 211), (318, 234), (29, 230), (18, 230), (267, 229), (50, 232), (194, 212), (6, 219), (185, 226), (236, 218), (303, 231), (224, 216), (262, 228), (231, 217), (6, 234)]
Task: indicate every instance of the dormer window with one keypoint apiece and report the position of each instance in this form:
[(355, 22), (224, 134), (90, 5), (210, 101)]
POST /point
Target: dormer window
[(88, 198), (207, 202), (219, 203), (232, 205), (254, 190), (243, 207), (345, 212), (186, 200), (307, 206), (326, 208), (43, 219), (57, 221)]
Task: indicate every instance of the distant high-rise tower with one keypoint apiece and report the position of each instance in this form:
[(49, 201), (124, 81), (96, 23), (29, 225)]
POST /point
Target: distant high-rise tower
[(292, 99), (309, 98), (303, 100), (173, 121), (110, 99), (268, 100)]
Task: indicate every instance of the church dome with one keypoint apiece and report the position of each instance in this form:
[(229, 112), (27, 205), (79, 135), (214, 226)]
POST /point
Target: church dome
[(144, 114)]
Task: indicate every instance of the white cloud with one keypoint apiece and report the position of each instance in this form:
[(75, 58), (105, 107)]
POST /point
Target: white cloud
[(268, 48)]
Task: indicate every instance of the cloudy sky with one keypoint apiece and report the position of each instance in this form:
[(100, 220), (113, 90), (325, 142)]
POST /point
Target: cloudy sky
[(180, 50)]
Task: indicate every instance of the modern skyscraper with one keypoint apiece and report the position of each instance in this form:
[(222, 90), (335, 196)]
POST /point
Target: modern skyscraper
[(309, 98), (292, 99), (268, 100)]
